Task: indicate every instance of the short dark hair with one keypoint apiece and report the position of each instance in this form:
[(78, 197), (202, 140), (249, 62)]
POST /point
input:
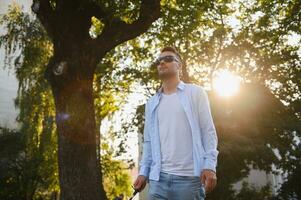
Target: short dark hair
[(172, 49)]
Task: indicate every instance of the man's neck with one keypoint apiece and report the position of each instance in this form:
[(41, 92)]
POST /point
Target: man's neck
[(170, 85)]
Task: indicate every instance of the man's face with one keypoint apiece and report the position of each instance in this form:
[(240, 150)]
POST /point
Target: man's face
[(168, 65)]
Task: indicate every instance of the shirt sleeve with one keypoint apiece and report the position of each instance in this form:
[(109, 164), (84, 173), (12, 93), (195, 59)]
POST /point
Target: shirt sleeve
[(146, 159), (208, 132)]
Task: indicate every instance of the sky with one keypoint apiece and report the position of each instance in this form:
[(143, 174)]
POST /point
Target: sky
[(8, 81)]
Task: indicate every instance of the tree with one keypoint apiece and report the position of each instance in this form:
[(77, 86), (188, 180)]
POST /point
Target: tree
[(251, 126), (11, 162), (258, 51), (38, 166), (37, 116), (70, 72)]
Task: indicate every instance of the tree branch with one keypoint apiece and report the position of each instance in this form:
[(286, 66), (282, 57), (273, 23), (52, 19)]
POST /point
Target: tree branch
[(45, 14), (95, 10), (116, 31)]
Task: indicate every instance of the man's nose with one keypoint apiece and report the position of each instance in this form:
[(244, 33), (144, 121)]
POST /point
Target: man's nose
[(162, 62)]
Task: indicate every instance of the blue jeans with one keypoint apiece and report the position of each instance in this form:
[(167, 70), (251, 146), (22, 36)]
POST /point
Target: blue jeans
[(174, 187)]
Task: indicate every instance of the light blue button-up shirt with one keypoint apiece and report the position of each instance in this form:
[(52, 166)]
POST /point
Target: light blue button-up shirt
[(195, 102)]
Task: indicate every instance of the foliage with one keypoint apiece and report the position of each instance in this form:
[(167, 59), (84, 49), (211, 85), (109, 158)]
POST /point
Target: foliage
[(263, 120), (253, 193), (116, 172), (255, 125), (12, 164), (37, 115)]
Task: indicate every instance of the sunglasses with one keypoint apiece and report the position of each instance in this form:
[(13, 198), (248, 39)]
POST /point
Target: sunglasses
[(167, 59)]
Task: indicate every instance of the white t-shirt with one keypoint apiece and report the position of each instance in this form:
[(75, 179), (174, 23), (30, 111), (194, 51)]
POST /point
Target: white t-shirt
[(175, 137)]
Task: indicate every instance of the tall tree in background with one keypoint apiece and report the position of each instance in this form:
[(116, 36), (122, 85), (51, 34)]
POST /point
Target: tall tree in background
[(70, 72), (33, 89), (38, 160)]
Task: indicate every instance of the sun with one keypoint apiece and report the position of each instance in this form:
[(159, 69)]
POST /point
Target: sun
[(225, 83)]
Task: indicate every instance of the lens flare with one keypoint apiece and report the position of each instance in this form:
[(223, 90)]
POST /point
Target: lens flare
[(226, 84)]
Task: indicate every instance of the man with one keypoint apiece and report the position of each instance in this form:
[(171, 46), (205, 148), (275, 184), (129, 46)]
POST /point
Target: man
[(180, 143)]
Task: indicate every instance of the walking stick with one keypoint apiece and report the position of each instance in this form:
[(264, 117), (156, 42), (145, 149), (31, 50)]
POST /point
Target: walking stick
[(134, 193)]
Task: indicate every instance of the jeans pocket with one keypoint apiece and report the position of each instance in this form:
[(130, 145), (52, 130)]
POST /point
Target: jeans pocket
[(199, 195), (155, 191)]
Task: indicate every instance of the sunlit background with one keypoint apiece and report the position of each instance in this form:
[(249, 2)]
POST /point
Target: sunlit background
[(226, 83)]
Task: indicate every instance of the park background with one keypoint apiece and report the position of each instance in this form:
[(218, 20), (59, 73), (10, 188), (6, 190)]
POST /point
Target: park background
[(246, 54)]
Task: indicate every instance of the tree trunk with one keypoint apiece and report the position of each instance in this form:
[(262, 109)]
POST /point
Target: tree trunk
[(70, 73)]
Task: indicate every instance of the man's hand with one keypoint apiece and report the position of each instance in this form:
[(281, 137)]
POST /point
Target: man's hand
[(140, 183), (208, 179)]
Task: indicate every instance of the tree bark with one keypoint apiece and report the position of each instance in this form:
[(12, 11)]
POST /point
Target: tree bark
[(70, 73)]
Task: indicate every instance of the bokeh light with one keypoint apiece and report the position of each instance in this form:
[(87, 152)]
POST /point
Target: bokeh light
[(225, 83)]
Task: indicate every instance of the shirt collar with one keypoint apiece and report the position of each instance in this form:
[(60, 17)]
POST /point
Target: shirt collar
[(180, 86)]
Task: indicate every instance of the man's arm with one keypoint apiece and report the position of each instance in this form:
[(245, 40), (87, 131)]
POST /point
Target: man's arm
[(146, 160), (209, 137), (209, 140)]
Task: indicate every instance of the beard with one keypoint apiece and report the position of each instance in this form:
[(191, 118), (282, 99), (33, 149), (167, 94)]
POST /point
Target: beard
[(164, 75)]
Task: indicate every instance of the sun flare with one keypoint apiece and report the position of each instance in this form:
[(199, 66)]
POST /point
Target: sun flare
[(226, 84)]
